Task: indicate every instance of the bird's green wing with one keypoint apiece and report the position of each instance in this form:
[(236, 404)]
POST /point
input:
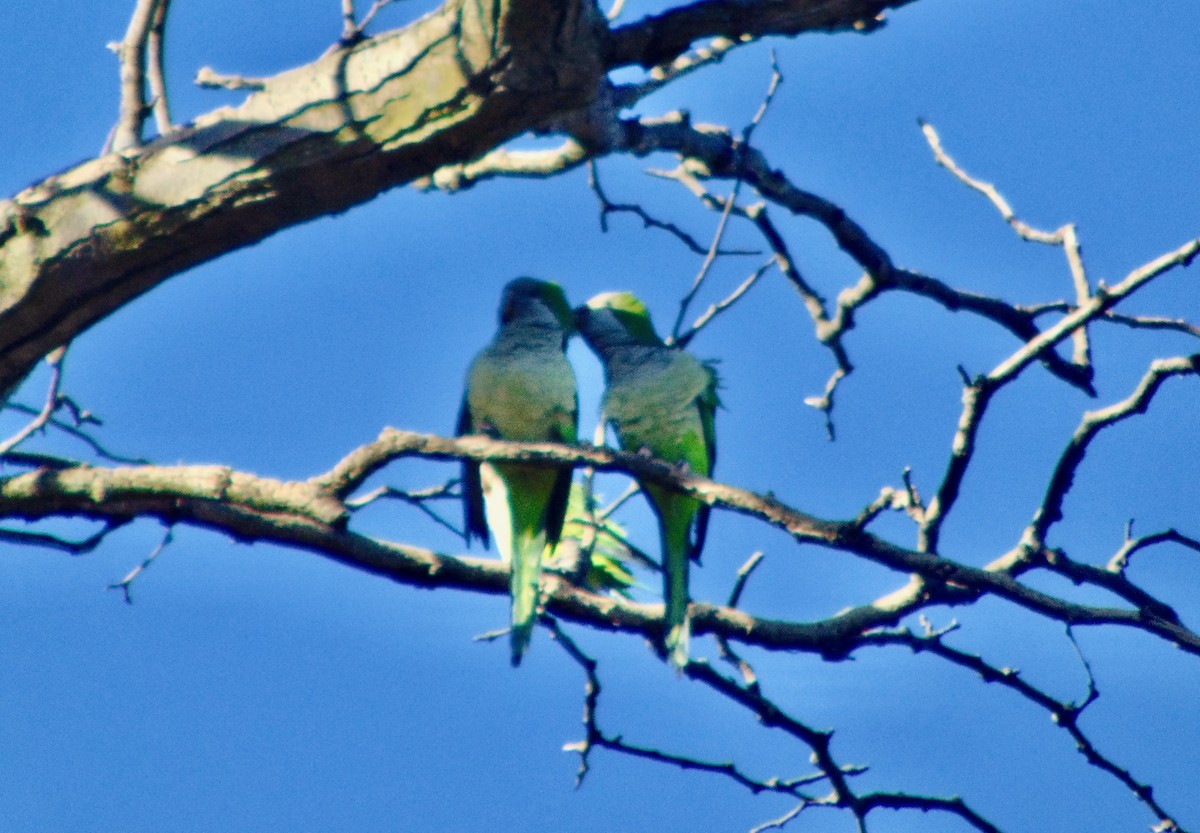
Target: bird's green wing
[(707, 404)]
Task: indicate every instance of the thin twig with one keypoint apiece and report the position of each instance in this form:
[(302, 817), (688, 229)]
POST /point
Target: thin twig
[(1064, 237), (621, 499), (710, 257), (131, 53), (82, 436), (1120, 561), (42, 418), (749, 677), (54, 542), (716, 309), (595, 738), (155, 75), (648, 221), (419, 499), (353, 32), (1093, 422), (1065, 715), (125, 584), (730, 202)]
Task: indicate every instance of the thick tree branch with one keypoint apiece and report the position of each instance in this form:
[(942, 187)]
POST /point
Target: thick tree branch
[(316, 140), (661, 38), (312, 516)]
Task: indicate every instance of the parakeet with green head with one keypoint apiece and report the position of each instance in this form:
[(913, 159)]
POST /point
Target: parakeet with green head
[(521, 387), (664, 401)]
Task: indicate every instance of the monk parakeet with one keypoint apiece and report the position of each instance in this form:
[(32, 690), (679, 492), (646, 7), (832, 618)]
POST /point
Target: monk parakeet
[(663, 401), (521, 387)]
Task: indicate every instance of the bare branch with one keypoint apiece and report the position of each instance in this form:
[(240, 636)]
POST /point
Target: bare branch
[(1135, 322), (209, 78), (148, 16), (1093, 422), (658, 39), (1065, 715), (532, 164), (978, 393), (125, 585), (660, 76), (709, 258), (712, 152), (1120, 561), (1104, 299), (749, 677), (54, 542), (420, 499), (349, 26), (83, 436), (648, 221), (1064, 237), (353, 32), (55, 360), (155, 76)]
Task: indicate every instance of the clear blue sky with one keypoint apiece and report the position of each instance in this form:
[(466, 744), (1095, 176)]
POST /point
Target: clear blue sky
[(253, 688)]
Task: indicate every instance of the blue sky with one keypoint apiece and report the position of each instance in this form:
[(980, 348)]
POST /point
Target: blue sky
[(256, 688)]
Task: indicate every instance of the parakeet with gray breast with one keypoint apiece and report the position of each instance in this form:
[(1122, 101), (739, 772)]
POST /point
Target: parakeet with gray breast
[(522, 388), (661, 400)]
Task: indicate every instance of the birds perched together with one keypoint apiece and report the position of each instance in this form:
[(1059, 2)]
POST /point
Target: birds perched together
[(659, 400)]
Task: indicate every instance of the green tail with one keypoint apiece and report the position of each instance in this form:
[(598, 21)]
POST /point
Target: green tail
[(675, 516), (523, 583)]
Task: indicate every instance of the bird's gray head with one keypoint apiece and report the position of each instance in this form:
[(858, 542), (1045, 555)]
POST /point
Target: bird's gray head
[(614, 319), (530, 301)]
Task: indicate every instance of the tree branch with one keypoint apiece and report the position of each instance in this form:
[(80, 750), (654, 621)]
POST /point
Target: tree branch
[(311, 515), (316, 140), (659, 39)]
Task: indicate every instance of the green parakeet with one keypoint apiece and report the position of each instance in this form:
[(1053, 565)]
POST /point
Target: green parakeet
[(521, 387), (664, 401)]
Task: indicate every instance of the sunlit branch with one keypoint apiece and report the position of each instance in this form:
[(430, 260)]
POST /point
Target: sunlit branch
[(661, 76), (146, 22), (1093, 422), (949, 581), (53, 400), (354, 31), (1101, 301), (1120, 560), (1135, 322), (311, 515), (155, 74), (977, 392), (712, 152), (1064, 237), (209, 78), (904, 500), (535, 164), (749, 677)]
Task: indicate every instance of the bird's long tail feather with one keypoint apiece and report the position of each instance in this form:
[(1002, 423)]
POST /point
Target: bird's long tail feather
[(524, 578)]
